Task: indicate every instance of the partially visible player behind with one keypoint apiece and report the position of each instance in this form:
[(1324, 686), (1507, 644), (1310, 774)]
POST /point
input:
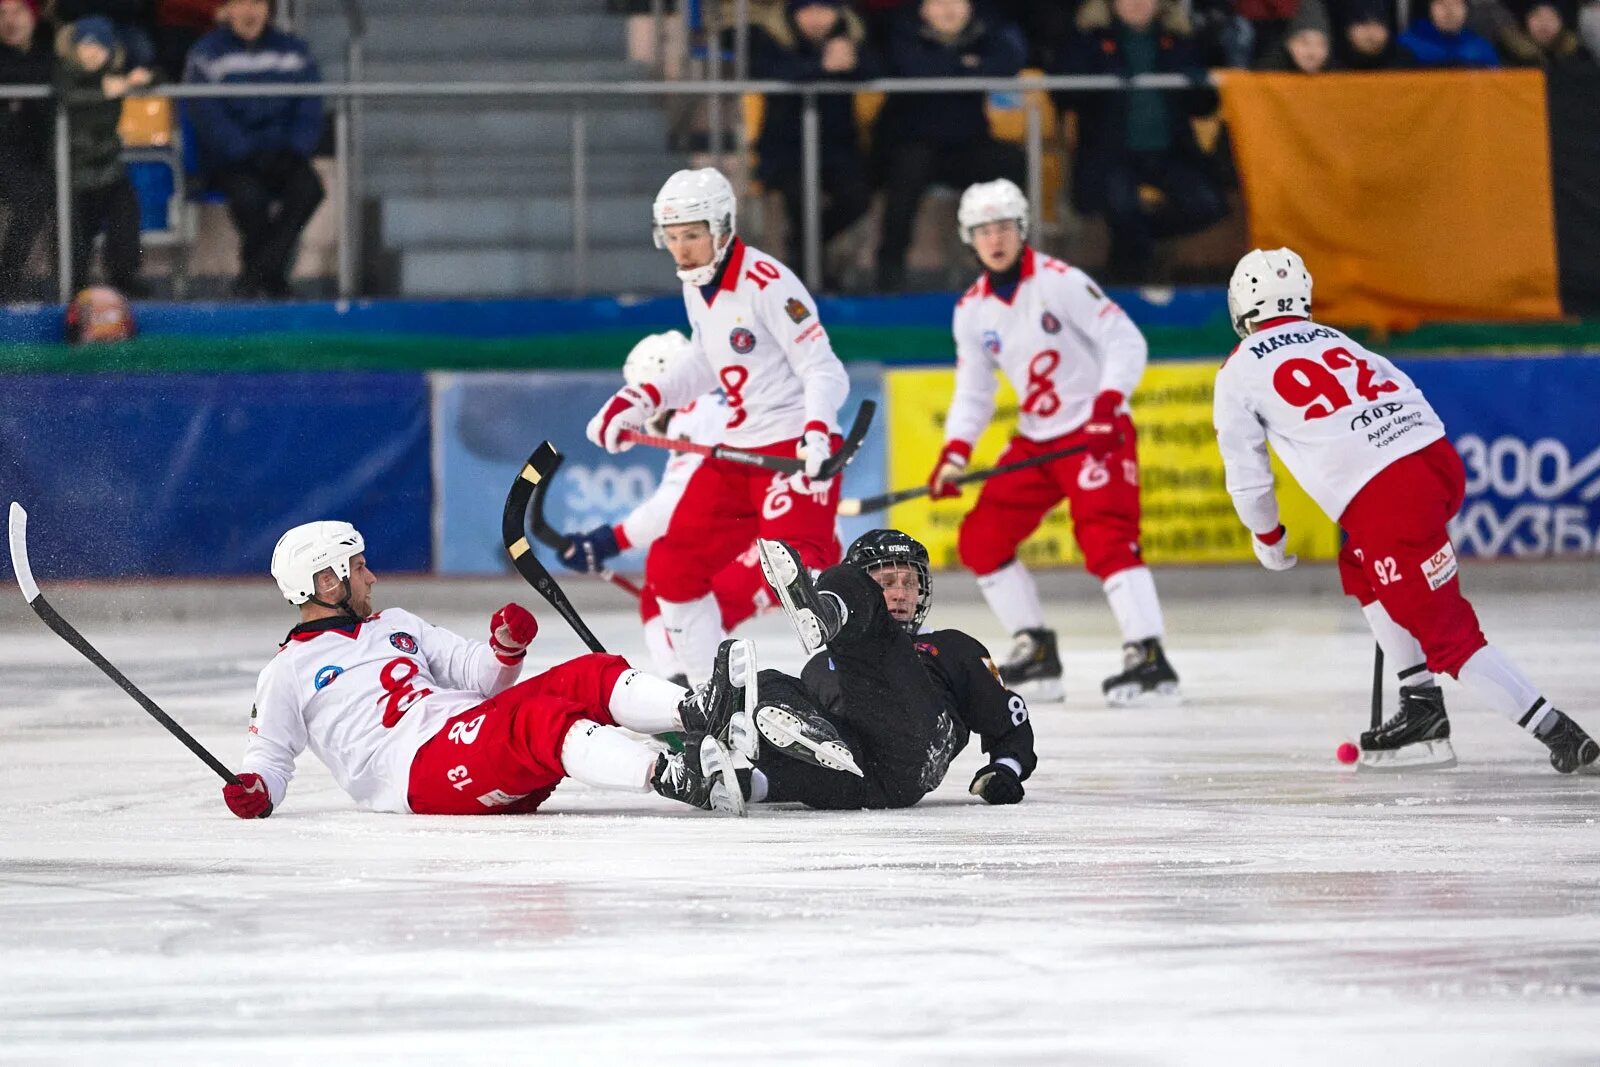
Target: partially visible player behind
[(410, 717), (1364, 442), (1073, 358), (757, 335), (738, 587)]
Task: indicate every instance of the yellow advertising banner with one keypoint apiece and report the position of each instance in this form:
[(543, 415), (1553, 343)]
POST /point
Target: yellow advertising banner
[(1187, 515)]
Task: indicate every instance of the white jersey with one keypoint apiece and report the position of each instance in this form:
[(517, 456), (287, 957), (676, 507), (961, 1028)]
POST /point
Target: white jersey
[(1060, 342), (701, 423), (364, 699), (1334, 412), (759, 338)]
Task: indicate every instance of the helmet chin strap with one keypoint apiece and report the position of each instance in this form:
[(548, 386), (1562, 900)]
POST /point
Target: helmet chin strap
[(343, 605), (704, 275)]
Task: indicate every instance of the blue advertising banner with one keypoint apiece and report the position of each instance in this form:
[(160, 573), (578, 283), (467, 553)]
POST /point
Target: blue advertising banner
[(1529, 439), (487, 423), (190, 474)]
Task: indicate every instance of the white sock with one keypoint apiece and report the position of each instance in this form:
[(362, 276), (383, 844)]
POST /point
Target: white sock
[(1401, 651), (645, 703), (1013, 597), (662, 655), (607, 758), (1132, 596), (695, 629), (758, 786), (1499, 683)]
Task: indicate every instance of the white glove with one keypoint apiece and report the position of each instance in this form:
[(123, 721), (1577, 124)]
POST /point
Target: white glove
[(1274, 552), (628, 409), (816, 448)]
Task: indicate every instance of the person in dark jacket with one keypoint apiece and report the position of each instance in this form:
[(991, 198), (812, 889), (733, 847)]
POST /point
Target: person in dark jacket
[(923, 138), (1366, 41), (1139, 137), (1307, 43), (1440, 38), (1547, 27), (257, 150), (25, 187), (813, 40), (131, 18), (92, 79)]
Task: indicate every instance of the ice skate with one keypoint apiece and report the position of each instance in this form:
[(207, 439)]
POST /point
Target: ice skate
[(806, 736), (816, 616), (701, 776), (1033, 670), (1571, 750), (709, 708), (1146, 680), (1417, 737)]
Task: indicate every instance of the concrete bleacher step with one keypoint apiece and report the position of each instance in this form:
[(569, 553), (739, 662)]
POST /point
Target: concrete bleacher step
[(402, 174), (421, 221), (490, 272), (512, 131), (494, 69), (418, 31)]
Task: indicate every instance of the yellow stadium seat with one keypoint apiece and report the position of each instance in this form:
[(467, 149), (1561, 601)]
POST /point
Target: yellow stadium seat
[(146, 122)]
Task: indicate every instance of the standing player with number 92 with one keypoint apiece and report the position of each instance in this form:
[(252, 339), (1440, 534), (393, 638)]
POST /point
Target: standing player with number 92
[(1364, 442)]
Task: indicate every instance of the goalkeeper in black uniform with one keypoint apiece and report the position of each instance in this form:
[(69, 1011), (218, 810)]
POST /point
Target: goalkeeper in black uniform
[(878, 714)]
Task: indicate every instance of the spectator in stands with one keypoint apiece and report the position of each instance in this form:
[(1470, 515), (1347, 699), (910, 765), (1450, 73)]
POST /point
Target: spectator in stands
[(1307, 44), (179, 24), (1268, 22), (1547, 30), (257, 150), (1141, 137), (1589, 27), (923, 138), (1367, 42), (1440, 38), (813, 40), (92, 79), (25, 187), (131, 19)]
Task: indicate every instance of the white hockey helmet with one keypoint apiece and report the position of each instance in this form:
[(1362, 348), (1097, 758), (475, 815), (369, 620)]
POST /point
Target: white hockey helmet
[(307, 550), (994, 201), (653, 356), (702, 195), (1266, 284)]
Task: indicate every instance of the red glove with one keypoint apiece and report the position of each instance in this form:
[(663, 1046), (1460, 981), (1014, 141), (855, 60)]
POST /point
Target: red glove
[(511, 630), (951, 462), (248, 799), (1101, 432)]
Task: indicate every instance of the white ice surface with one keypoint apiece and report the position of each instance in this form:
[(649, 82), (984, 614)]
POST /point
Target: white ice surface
[(1196, 885)]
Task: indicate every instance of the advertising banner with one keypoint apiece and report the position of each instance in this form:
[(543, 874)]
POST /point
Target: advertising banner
[(487, 423)]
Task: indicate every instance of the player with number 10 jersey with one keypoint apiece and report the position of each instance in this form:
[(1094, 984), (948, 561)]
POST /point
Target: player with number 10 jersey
[(1073, 358)]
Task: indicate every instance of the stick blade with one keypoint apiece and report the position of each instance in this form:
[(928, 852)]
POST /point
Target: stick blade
[(19, 553)]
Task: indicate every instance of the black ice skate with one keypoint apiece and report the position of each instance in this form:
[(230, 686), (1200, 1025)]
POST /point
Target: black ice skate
[(1570, 748), (702, 776), (1147, 679), (816, 616), (1033, 670), (805, 736), (710, 707), (1417, 737)]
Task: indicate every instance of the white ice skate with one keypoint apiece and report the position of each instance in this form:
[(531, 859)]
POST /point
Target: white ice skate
[(805, 737), (815, 620)]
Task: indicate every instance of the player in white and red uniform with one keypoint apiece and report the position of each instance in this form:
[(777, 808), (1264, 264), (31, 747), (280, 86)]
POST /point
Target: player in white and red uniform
[(410, 717), (757, 335), (1369, 449), (1073, 358), (739, 587)]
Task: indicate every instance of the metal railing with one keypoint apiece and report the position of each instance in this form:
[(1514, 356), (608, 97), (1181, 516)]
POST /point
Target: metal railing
[(346, 96)]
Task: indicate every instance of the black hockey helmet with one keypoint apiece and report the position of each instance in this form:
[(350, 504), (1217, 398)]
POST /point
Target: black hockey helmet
[(879, 548)]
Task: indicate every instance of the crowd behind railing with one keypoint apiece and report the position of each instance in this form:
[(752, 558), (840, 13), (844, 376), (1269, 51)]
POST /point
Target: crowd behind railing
[(1136, 163)]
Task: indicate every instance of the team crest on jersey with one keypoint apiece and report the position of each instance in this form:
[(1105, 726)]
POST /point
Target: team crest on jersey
[(798, 312), (325, 676), (404, 642), (742, 340), (1050, 323), (991, 342)]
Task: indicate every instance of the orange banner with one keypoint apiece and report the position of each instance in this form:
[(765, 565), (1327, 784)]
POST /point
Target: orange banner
[(1413, 196)]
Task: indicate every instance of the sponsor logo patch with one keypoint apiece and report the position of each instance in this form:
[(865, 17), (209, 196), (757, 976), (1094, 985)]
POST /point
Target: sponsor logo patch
[(1440, 567), (1050, 323), (796, 310), (326, 675), (742, 340), (991, 342), (499, 798), (404, 642)]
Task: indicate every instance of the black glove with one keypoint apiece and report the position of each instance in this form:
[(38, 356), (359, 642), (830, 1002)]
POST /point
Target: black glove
[(589, 551), (997, 784)]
